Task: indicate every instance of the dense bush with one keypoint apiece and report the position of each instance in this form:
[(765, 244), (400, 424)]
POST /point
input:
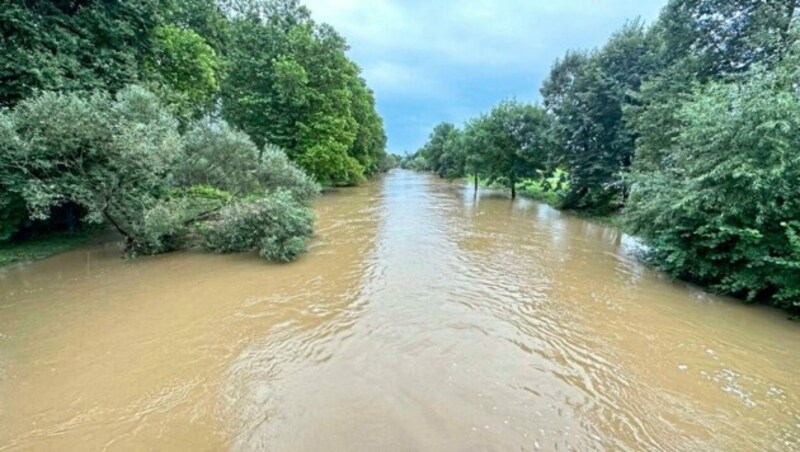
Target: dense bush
[(218, 156), (275, 171), (170, 223), (275, 225), (122, 161), (723, 207), (109, 155)]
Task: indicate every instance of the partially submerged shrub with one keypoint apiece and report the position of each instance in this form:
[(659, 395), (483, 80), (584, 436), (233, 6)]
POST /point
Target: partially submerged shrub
[(121, 161), (276, 226), (168, 224), (107, 155), (723, 211)]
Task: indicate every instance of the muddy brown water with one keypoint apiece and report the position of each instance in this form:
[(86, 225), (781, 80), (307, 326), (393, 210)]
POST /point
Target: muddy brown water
[(423, 318)]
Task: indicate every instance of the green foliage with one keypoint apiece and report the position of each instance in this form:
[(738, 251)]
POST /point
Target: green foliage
[(168, 223), (217, 155), (722, 207), (123, 162), (12, 214), (70, 46), (510, 143), (107, 155), (725, 37), (275, 226), (415, 162), (187, 67), (389, 162), (442, 140), (586, 94), (549, 189), (276, 172), (291, 84), (79, 143)]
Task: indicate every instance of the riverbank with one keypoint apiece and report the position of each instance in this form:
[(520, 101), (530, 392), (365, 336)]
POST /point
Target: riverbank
[(44, 247)]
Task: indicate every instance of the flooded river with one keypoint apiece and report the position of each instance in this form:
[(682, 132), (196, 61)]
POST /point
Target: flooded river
[(423, 318)]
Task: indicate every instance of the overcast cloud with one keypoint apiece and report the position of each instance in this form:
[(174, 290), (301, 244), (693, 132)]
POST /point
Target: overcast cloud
[(447, 60)]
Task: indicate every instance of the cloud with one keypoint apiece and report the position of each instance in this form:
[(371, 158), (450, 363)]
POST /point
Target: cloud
[(447, 60), (395, 78)]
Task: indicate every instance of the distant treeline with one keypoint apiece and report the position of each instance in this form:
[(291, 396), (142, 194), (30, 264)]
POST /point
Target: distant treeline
[(172, 121), (690, 127)]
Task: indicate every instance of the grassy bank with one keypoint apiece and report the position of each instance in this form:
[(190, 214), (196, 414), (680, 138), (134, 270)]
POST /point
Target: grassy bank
[(542, 190), (43, 247), (537, 191)]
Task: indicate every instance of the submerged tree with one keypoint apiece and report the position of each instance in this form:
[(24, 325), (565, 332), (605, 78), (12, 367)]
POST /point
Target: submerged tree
[(512, 143)]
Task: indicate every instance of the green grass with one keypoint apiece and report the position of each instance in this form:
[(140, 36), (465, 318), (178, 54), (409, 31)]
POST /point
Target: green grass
[(43, 247), (535, 189)]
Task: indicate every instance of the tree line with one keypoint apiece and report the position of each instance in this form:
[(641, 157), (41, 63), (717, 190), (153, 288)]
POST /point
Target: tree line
[(178, 122), (688, 127)]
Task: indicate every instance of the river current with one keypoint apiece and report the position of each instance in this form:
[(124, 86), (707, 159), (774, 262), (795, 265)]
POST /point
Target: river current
[(424, 317)]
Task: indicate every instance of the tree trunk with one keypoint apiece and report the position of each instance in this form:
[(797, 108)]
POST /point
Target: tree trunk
[(116, 225), (71, 218), (476, 182), (513, 186)]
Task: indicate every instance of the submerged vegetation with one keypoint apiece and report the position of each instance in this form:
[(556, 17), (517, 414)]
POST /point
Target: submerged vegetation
[(687, 127), (178, 123)]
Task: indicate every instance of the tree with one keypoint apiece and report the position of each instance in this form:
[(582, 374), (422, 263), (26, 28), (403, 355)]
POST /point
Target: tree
[(72, 46), (586, 93), (512, 143), (722, 208), (120, 160), (727, 36), (276, 226), (369, 146), (442, 139), (216, 155), (292, 85), (186, 68), (108, 155)]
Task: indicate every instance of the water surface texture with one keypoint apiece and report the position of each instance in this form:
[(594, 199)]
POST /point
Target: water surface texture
[(423, 318)]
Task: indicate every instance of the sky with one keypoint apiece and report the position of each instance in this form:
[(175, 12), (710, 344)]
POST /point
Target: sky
[(430, 61)]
